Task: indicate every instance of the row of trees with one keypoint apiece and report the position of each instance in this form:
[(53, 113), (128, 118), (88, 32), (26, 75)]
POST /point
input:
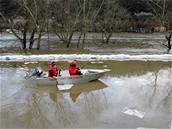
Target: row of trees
[(64, 17)]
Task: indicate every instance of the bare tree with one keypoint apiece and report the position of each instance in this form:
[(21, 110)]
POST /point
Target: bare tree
[(19, 29), (75, 16), (37, 9), (162, 10), (31, 19), (159, 8), (113, 18), (65, 24), (90, 11)]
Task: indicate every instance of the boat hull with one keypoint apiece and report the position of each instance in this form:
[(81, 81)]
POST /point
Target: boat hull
[(89, 75)]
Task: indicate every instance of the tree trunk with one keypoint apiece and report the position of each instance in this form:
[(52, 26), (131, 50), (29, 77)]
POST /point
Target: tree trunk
[(103, 41), (108, 37), (23, 44), (39, 41), (48, 40), (168, 37), (83, 40), (169, 42), (24, 38), (69, 40), (79, 39), (32, 38), (39, 38)]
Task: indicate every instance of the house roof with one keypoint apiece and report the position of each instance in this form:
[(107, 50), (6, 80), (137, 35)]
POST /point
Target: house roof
[(143, 14)]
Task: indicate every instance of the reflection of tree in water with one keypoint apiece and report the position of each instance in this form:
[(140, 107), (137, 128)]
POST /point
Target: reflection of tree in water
[(94, 103), (92, 95), (166, 99), (26, 112), (37, 116), (77, 90), (54, 96), (93, 100), (64, 114), (154, 87), (49, 114)]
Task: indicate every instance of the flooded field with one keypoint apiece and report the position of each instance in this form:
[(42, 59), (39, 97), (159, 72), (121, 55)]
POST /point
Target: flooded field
[(133, 94), (120, 43)]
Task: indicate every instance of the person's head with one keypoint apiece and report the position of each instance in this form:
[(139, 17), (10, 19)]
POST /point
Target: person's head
[(53, 63), (73, 63)]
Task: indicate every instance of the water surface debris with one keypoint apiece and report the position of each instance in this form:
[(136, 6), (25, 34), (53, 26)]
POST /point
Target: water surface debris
[(133, 112)]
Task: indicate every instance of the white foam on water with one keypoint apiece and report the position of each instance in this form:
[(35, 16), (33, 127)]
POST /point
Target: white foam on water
[(145, 128), (30, 62), (86, 57)]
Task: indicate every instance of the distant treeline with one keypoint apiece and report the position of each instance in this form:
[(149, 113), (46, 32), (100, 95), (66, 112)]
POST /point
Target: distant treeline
[(64, 17)]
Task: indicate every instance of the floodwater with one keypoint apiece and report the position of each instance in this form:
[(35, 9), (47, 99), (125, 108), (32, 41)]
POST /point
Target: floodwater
[(120, 43), (143, 86)]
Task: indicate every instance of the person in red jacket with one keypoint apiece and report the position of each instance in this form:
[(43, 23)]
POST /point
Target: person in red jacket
[(52, 70), (73, 69), (55, 71)]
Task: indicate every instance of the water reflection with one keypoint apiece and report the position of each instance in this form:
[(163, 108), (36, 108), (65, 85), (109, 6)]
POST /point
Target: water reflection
[(94, 104), (75, 91)]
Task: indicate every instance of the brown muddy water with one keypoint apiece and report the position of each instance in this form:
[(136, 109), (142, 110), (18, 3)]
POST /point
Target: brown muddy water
[(143, 86)]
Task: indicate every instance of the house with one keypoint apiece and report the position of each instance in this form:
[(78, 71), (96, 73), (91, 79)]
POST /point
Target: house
[(142, 22)]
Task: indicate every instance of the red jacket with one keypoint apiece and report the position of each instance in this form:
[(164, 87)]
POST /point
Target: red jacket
[(72, 70), (55, 71), (52, 70)]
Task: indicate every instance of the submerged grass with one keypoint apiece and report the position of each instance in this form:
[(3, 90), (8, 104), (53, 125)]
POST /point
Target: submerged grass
[(41, 51), (117, 67)]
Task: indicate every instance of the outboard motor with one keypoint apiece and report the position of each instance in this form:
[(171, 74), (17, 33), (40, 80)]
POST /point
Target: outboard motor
[(37, 73)]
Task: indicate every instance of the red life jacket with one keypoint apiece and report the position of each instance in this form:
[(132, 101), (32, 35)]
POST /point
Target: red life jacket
[(52, 71), (55, 71), (72, 70)]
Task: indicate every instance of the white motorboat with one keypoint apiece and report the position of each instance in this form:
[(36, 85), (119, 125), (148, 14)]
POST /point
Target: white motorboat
[(87, 76)]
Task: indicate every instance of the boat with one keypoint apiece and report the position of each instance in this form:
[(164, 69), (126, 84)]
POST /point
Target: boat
[(87, 76)]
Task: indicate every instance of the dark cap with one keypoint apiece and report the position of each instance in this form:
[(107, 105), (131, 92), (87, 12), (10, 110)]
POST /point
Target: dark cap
[(52, 62)]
